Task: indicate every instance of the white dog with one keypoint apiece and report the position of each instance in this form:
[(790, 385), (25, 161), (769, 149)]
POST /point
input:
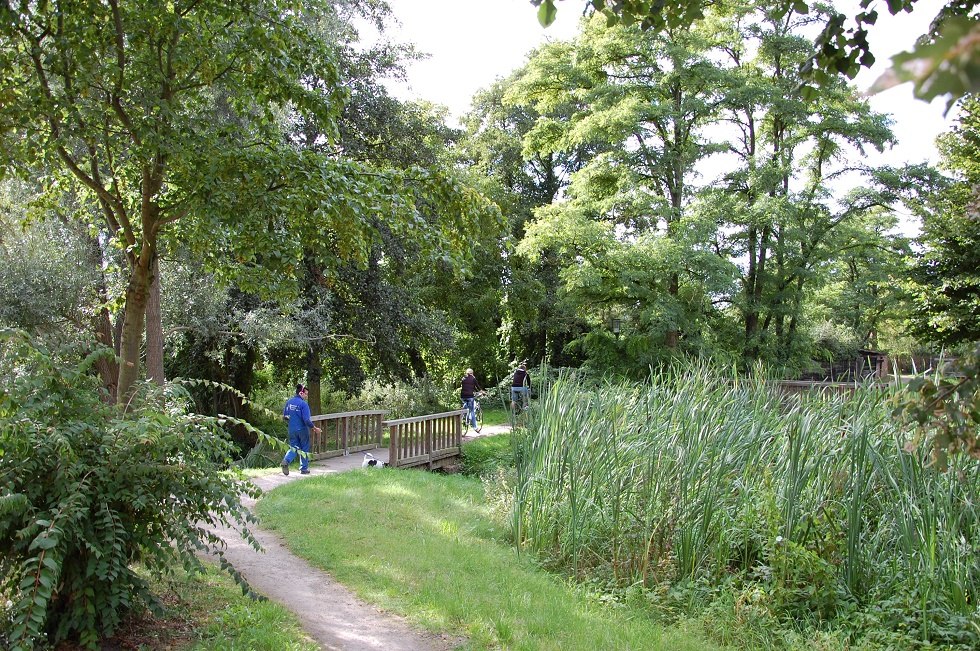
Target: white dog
[(370, 461)]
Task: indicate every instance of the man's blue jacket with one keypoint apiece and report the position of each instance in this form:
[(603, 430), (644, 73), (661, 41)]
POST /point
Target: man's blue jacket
[(298, 412)]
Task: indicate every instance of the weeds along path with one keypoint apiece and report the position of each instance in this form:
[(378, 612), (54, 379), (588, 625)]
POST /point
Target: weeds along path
[(328, 612)]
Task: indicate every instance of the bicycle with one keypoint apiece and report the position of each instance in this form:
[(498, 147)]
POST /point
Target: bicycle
[(478, 411), (518, 407), (520, 389)]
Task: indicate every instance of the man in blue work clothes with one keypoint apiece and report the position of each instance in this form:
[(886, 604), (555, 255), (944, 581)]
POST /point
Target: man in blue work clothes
[(297, 414)]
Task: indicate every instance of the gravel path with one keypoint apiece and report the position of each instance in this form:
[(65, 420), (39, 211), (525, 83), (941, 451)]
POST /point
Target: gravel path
[(328, 611)]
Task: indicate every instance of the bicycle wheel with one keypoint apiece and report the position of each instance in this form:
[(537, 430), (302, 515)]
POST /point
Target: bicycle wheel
[(466, 422), (479, 418)]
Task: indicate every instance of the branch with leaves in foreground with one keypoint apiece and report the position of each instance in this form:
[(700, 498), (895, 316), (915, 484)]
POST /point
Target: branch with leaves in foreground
[(945, 60), (946, 408)]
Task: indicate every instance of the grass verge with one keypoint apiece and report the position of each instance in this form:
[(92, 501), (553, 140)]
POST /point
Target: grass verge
[(207, 612), (484, 455), (227, 620), (424, 546)]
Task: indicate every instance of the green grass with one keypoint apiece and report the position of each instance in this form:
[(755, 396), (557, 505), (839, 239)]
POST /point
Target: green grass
[(482, 456), (495, 415), (226, 619), (207, 611), (424, 546)]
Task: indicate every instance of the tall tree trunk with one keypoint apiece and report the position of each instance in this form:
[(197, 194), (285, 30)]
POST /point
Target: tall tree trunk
[(154, 328), (755, 282), (313, 373), (141, 274), (137, 296), (102, 326), (107, 368)]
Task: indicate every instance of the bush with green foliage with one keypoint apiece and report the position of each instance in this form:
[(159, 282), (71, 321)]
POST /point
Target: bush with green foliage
[(484, 456), (88, 488), (946, 408), (404, 399)]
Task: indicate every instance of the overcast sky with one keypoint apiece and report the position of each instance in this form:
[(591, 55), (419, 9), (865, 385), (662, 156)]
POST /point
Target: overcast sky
[(474, 42)]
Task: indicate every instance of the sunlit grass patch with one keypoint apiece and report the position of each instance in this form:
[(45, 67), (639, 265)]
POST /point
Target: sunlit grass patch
[(423, 545)]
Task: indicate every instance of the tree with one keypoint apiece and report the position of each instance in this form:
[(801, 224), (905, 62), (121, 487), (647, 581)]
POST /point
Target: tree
[(65, 295), (862, 289), (946, 280), (516, 298), (174, 116), (946, 294), (123, 95), (647, 99), (783, 213)]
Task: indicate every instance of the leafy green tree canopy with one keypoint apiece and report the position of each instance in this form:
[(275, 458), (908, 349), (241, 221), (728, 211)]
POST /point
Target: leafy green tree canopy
[(175, 118)]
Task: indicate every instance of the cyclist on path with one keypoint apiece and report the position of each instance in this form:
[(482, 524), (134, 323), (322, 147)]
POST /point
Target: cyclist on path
[(520, 387), (469, 387)]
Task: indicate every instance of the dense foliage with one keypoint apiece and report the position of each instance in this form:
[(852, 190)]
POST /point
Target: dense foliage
[(802, 512), (87, 489)]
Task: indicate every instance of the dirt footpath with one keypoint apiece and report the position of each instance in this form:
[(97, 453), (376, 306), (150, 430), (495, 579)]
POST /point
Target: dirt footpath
[(328, 611)]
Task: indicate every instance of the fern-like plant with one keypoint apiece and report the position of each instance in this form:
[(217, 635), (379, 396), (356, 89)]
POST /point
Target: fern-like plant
[(88, 489)]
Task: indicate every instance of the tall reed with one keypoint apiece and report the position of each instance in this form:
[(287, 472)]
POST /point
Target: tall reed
[(693, 475)]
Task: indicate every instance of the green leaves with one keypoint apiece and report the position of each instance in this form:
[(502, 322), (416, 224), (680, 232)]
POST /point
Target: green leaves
[(948, 64), (91, 488), (946, 408), (547, 12), (130, 98)]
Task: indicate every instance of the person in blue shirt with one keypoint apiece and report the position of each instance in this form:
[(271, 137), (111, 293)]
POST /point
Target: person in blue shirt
[(297, 414)]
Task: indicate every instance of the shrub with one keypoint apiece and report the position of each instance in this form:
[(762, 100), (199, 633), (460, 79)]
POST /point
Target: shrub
[(88, 488), (404, 399), (482, 457)]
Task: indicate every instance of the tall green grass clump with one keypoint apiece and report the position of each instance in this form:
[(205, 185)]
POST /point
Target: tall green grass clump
[(806, 512)]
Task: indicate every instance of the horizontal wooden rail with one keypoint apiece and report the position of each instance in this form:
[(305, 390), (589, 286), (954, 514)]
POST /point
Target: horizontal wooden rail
[(433, 441), (346, 432), (831, 388)]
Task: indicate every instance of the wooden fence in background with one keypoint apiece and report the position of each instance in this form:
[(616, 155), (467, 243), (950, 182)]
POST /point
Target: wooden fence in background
[(793, 387), (432, 441), (346, 432)]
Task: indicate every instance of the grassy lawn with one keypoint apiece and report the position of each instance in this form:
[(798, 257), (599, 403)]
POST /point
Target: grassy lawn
[(226, 619), (495, 415), (424, 546)]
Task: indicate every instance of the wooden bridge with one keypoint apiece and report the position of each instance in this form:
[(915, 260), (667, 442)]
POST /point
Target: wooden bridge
[(431, 441)]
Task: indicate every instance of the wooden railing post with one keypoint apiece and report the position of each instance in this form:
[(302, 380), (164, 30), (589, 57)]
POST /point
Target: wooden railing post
[(458, 430), (393, 446), (428, 441)]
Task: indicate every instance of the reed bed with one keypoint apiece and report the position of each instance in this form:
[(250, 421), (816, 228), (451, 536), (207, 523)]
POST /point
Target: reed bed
[(811, 501)]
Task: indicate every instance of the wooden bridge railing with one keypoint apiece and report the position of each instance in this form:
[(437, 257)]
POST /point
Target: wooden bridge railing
[(346, 432), (433, 441), (792, 387)]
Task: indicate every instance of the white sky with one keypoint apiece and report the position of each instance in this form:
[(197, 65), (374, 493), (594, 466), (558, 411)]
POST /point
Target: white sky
[(474, 42)]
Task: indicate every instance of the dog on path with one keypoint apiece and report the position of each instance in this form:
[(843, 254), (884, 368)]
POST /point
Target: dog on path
[(370, 461)]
